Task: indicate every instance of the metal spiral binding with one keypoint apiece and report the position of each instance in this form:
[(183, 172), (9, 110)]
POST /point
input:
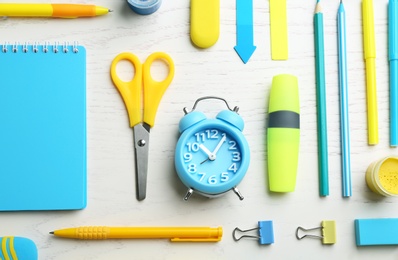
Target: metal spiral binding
[(4, 47), (36, 47)]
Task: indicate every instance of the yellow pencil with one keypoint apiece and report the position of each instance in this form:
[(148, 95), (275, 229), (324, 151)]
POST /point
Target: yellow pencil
[(370, 57), (51, 10)]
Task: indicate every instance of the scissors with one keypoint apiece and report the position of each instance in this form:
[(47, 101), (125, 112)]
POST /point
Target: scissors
[(131, 92)]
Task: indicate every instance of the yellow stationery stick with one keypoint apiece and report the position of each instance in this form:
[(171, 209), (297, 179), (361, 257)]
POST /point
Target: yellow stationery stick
[(370, 64), (51, 10), (175, 234), (278, 23)]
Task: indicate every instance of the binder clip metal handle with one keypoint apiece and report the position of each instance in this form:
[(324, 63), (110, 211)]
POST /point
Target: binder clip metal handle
[(328, 236), (265, 233)]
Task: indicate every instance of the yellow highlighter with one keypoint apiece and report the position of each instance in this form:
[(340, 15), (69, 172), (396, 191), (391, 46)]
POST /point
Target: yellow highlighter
[(175, 234), (51, 10), (205, 22), (283, 133)]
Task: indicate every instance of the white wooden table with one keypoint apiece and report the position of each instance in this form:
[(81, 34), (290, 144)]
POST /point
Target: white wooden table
[(215, 71)]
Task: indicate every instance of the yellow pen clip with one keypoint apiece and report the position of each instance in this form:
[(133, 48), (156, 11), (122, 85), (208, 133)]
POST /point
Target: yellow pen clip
[(130, 91), (154, 90), (212, 235)]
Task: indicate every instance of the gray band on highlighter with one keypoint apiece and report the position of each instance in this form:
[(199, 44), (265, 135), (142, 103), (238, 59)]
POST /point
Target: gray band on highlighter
[(284, 119)]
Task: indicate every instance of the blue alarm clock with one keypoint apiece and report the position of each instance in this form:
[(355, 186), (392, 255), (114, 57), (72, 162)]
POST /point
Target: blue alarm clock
[(212, 155)]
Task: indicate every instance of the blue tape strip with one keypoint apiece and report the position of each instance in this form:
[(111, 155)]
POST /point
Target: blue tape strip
[(144, 7)]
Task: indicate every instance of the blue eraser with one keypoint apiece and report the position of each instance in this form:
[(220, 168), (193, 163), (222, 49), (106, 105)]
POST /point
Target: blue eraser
[(266, 232), (20, 248), (375, 232)]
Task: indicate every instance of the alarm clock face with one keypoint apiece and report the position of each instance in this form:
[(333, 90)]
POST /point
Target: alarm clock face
[(211, 158)]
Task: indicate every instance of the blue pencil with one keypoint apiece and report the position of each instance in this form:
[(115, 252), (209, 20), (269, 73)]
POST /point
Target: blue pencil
[(344, 118), (393, 58), (321, 102)]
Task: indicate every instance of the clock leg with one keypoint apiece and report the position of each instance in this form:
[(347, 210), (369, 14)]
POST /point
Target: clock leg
[(237, 192), (188, 195)]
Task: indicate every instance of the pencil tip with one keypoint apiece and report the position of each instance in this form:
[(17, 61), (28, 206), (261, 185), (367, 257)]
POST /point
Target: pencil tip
[(52, 232), (110, 10)]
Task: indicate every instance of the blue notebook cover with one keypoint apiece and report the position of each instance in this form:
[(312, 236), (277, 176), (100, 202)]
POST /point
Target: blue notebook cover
[(42, 127)]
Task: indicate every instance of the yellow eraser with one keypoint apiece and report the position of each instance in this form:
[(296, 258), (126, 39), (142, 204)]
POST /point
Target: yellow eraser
[(278, 23), (205, 22)]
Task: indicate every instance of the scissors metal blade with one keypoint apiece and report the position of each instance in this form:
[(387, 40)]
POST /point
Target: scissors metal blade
[(141, 145)]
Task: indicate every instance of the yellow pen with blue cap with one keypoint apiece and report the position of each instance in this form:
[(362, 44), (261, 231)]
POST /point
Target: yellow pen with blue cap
[(175, 234), (131, 92)]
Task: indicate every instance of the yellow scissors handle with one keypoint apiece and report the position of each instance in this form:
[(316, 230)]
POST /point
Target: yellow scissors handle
[(131, 91), (154, 90)]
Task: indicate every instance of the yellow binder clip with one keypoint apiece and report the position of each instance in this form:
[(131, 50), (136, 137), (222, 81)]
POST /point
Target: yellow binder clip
[(328, 236)]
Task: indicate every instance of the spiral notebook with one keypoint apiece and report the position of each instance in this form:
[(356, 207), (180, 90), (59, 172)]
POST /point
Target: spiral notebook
[(42, 127)]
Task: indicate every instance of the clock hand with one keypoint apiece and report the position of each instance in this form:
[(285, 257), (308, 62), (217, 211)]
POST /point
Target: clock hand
[(211, 155), (219, 145)]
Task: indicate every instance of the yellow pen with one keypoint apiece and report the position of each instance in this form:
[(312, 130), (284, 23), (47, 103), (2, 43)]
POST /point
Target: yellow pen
[(175, 234), (51, 10), (370, 63)]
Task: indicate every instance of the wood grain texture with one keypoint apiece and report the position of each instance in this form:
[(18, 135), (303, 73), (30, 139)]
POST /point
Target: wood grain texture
[(215, 71)]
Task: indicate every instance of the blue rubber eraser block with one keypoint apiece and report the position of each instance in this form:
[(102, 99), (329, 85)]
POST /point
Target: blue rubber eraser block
[(265, 232), (374, 232), (20, 248)]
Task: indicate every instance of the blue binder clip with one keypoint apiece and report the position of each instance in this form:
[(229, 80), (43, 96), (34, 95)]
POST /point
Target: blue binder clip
[(265, 233)]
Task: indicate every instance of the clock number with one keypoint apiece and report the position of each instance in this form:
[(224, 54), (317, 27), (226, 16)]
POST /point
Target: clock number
[(192, 168), (208, 134), (187, 157), (224, 177), (193, 147), (236, 156), (202, 175), (200, 137), (233, 167), (212, 179), (212, 134), (232, 145)]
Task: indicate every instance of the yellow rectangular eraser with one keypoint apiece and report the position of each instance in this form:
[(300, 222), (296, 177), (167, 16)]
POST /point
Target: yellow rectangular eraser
[(278, 23)]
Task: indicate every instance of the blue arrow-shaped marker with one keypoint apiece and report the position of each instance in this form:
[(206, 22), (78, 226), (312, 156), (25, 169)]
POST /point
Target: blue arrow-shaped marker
[(244, 29)]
